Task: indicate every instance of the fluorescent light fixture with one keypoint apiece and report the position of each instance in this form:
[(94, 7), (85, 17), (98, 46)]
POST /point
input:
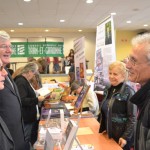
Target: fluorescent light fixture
[(20, 24), (128, 21), (12, 30), (27, 0), (145, 25), (89, 1), (62, 20), (80, 30), (113, 13)]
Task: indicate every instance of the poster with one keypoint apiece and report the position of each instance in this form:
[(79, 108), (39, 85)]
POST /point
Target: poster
[(104, 54), (37, 49), (79, 57)]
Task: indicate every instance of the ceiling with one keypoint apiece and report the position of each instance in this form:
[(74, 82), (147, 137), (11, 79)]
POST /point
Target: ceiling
[(39, 15)]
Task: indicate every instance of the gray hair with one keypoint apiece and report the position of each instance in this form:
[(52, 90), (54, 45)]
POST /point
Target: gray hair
[(30, 67), (4, 36), (143, 39)]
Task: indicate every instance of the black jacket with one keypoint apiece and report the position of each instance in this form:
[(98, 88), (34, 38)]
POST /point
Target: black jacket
[(28, 99), (142, 134), (10, 111), (121, 114), (6, 141)]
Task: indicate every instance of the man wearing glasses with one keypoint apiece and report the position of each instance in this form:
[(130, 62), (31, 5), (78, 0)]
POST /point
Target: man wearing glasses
[(138, 66), (10, 105)]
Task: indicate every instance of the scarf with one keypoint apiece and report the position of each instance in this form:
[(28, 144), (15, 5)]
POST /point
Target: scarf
[(140, 97)]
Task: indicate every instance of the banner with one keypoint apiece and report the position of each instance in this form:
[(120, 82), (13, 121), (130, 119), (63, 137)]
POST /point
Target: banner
[(79, 57), (37, 49), (105, 53)]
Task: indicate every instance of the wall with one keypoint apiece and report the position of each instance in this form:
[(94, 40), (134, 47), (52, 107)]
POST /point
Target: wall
[(123, 43), (69, 37)]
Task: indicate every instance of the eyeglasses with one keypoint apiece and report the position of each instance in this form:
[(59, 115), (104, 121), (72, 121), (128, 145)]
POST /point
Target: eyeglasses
[(131, 60), (6, 47), (134, 62)]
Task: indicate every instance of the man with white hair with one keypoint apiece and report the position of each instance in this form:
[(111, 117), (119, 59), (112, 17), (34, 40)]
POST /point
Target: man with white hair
[(10, 104), (138, 66)]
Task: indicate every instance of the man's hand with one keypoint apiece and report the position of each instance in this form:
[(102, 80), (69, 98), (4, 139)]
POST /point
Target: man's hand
[(122, 142)]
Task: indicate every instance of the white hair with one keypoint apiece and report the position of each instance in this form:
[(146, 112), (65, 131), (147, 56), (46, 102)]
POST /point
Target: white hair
[(4, 36), (143, 39)]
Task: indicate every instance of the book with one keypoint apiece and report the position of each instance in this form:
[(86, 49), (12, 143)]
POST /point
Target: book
[(55, 113), (70, 134), (44, 91), (80, 98)]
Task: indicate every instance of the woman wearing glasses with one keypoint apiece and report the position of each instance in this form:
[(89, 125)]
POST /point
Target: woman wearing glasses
[(6, 141), (117, 113)]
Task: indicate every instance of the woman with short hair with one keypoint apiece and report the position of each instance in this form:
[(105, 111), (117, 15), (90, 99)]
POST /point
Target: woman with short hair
[(117, 113)]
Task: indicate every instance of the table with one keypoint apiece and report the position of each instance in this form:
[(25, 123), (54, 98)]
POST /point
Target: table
[(98, 140)]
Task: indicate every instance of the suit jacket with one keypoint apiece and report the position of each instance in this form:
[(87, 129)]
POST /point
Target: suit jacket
[(6, 141), (10, 111), (28, 99)]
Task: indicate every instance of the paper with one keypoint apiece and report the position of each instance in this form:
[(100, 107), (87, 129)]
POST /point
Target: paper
[(69, 106), (84, 131), (43, 91)]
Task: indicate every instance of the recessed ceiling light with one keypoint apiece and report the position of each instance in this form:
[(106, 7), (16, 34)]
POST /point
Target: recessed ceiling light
[(80, 30), (89, 1), (12, 30), (113, 13), (27, 0), (46, 30), (128, 21), (62, 20), (20, 24), (145, 25)]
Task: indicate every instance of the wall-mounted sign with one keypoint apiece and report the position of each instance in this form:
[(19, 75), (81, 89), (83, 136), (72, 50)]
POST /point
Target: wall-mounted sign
[(37, 49)]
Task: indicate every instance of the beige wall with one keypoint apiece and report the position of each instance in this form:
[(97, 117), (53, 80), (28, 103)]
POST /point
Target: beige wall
[(123, 43), (68, 43)]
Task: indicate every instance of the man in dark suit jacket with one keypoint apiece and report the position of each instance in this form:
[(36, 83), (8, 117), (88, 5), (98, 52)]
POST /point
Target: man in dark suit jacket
[(10, 104), (6, 141)]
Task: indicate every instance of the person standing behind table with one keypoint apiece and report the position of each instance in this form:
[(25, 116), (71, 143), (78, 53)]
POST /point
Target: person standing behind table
[(47, 59), (138, 66), (28, 97), (10, 103), (71, 56), (56, 66), (117, 113), (6, 141)]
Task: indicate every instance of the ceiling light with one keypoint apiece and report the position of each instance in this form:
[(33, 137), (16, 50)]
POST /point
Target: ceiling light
[(145, 25), (27, 0), (46, 30), (20, 24), (128, 21), (80, 30), (113, 13), (62, 20), (12, 30), (89, 1)]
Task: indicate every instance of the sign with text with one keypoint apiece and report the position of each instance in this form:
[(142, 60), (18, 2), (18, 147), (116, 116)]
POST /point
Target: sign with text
[(105, 53), (37, 49), (79, 57)]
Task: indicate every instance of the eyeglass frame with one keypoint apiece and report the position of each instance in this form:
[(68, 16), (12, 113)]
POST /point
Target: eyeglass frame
[(3, 46), (134, 62)]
